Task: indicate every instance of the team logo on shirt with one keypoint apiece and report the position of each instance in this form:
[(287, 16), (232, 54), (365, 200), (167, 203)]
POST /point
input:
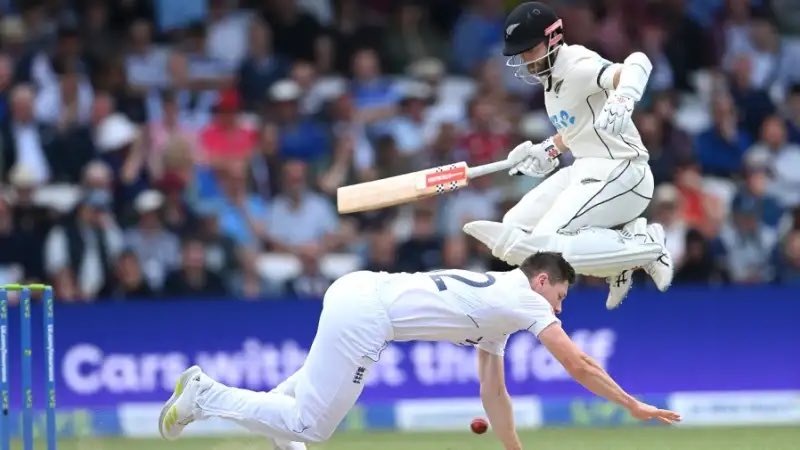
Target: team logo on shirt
[(562, 120), (359, 375)]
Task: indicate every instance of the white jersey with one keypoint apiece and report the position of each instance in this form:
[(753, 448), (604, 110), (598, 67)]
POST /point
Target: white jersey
[(575, 100), (463, 307)]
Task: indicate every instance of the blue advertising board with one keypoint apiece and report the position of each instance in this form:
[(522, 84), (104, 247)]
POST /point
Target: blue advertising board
[(689, 339)]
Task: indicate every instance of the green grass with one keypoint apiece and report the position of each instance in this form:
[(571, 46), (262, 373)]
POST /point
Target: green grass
[(646, 438)]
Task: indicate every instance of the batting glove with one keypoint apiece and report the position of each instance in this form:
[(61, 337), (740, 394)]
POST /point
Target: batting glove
[(534, 160), (616, 114)]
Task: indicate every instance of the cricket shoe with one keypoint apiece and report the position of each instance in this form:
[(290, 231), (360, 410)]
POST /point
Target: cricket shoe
[(179, 411), (287, 445), (620, 285), (662, 269)]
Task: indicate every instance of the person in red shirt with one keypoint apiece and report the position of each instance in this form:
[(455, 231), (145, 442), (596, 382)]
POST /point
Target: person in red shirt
[(226, 137)]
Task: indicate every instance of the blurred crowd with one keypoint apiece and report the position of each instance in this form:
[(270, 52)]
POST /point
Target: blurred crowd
[(192, 148)]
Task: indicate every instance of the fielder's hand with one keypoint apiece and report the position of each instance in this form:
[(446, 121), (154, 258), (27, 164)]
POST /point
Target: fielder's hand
[(643, 411), (616, 114), (534, 160)]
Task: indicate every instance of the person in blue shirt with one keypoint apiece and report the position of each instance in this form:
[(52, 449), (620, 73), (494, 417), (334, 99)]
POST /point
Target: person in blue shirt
[(721, 147), (299, 137)]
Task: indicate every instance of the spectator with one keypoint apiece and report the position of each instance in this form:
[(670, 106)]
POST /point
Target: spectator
[(97, 176), (67, 52), (789, 260), (682, 28), (122, 148), (753, 103), (221, 250), (227, 33), (300, 137), (65, 103), (381, 251), (407, 127), (782, 157), (423, 249), (241, 214), (347, 121), (700, 209), (31, 223), (162, 132), (666, 146), (665, 209), (227, 138), (793, 114), (193, 99), (310, 283), (22, 141), (6, 78), (98, 37), (260, 68), (299, 219), (193, 280), (699, 265), (372, 92), (754, 188), (748, 244), (14, 243), (265, 163), (477, 34), (411, 37), (79, 253), (204, 69), (176, 214), (128, 282), (295, 31), (145, 63), (340, 169), (247, 282), (486, 139), (128, 101), (352, 30), (720, 148), (157, 249)]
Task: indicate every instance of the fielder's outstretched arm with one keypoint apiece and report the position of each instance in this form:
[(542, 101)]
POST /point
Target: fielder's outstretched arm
[(592, 376), (495, 398)]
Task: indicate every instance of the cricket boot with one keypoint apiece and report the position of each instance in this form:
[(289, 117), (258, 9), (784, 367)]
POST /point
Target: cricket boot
[(500, 238), (181, 408), (287, 445), (662, 269), (620, 284)]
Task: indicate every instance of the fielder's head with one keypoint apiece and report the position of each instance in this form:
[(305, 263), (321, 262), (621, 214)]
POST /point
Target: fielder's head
[(533, 34), (550, 276)]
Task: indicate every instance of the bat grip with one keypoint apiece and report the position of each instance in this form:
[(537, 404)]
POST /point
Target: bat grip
[(486, 169)]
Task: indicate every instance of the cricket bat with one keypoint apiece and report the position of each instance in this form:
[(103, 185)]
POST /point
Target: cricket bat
[(411, 186)]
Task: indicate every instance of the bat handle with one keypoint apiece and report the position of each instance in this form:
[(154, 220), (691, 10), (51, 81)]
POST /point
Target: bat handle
[(486, 169)]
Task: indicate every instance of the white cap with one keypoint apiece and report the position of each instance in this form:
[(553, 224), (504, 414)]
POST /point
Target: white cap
[(285, 90), (426, 68), (665, 193), (417, 90), (149, 200), (115, 131)]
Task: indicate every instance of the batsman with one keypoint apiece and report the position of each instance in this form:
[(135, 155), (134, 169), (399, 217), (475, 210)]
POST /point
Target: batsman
[(574, 211)]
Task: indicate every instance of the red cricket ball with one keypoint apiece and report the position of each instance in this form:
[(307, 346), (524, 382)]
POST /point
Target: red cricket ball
[(479, 425)]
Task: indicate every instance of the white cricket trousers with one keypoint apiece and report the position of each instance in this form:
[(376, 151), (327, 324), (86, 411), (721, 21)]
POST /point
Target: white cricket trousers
[(594, 192), (309, 405)]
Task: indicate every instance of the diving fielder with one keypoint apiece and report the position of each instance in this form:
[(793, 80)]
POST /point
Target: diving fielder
[(590, 102), (364, 311)]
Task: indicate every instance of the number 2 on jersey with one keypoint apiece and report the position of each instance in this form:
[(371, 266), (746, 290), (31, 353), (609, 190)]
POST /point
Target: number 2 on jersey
[(438, 278)]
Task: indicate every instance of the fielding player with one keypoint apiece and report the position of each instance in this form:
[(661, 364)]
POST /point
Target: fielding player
[(589, 101), (363, 311)]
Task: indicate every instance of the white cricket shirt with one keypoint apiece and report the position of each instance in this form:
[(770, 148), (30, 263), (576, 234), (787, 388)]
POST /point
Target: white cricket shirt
[(464, 307), (576, 99)]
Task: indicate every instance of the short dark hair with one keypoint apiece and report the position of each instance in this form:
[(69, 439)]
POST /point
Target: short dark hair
[(553, 264)]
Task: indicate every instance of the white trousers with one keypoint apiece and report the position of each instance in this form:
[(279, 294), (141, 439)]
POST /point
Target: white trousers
[(592, 192), (309, 405)]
